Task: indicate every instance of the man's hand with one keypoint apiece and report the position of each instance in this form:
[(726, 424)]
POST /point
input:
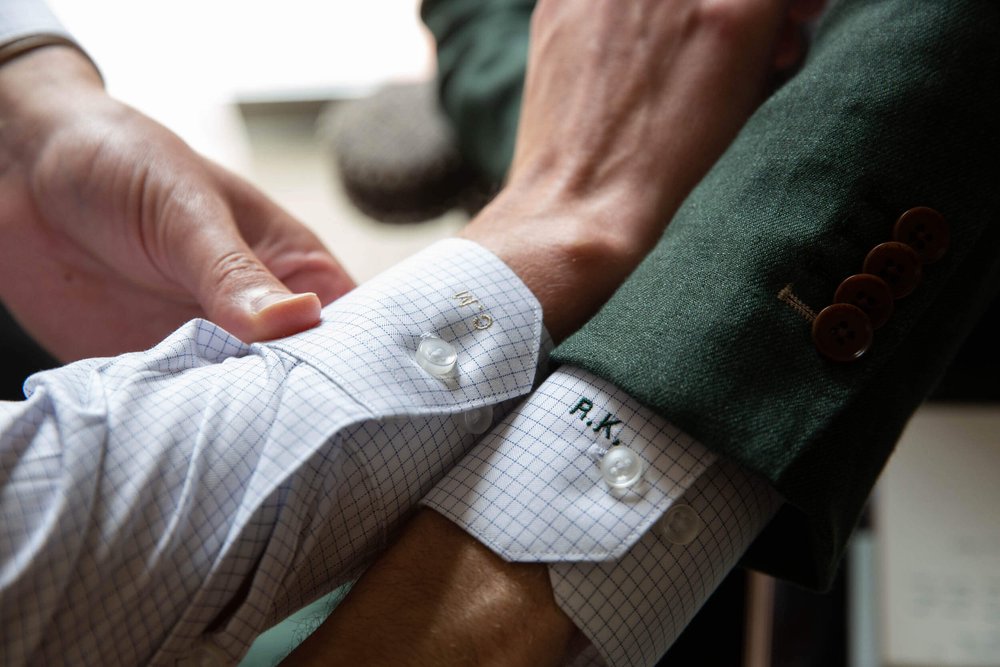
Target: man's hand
[(626, 107), (113, 232)]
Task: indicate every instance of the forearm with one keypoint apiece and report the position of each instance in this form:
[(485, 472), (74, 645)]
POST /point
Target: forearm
[(37, 88), (38, 56), (467, 606), (571, 249)]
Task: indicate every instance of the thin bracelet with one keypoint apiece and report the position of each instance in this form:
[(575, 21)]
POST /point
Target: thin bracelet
[(22, 45)]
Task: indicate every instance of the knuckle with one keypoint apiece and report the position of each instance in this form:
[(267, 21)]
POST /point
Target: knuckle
[(726, 19), (236, 267)]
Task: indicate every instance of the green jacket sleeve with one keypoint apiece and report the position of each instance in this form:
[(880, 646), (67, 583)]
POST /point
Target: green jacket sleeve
[(482, 52), (897, 106)]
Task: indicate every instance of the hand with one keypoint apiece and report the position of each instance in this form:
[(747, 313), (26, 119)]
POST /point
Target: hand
[(626, 107), (113, 232)]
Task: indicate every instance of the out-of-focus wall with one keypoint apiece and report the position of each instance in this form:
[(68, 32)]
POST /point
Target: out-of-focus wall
[(184, 61), (188, 63)]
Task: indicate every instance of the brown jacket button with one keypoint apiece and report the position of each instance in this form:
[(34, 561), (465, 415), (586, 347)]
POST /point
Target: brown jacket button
[(924, 230), (870, 294), (842, 332), (897, 264)]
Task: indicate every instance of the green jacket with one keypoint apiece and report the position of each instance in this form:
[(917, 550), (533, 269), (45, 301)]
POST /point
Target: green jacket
[(897, 106)]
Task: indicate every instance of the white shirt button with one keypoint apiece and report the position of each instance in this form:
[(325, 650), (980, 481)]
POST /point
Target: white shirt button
[(681, 524), (478, 420), (621, 468), (436, 356)]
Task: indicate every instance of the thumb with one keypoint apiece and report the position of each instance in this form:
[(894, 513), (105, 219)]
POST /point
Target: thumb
[(208, 255)]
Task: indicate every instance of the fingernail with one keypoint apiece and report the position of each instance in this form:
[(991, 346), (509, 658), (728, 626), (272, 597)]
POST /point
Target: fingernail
[(265, 301)]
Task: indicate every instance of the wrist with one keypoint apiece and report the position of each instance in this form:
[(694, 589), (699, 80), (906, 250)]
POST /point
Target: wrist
[(571, 248), (39, 88), (17, 47), (439, 597)]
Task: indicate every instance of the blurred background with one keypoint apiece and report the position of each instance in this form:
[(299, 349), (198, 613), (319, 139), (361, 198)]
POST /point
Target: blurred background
[(244, 83)]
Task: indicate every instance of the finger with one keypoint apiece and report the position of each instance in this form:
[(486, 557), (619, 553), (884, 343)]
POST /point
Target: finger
[(290, 250), (206, 253)]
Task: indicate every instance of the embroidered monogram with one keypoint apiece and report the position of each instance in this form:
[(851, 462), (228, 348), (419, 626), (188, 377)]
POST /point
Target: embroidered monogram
[(467, 299), (584, 406)]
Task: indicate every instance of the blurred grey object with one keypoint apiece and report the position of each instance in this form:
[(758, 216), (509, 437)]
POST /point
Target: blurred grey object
[(397, 156)]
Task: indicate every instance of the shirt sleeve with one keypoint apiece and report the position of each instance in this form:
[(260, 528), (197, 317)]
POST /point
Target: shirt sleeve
[(21, 18), (632, 557), (169, 505)]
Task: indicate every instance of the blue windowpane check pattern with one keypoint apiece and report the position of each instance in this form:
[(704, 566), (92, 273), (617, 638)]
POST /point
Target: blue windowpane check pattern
[(185, 498), (532, 490)]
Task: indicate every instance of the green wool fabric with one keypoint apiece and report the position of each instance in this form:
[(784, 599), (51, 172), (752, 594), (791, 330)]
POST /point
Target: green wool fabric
[(897, 106), (482, 54)]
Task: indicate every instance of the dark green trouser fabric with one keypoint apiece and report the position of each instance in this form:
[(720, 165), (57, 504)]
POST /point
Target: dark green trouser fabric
[(482, 54), (897, 106)]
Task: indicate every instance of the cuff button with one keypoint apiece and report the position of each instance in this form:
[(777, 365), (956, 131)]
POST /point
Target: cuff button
[(870, 294), (621, 468), (924, 230), (842, 332), (478, 420), (897, 264), (680, 525), (436, 356)]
